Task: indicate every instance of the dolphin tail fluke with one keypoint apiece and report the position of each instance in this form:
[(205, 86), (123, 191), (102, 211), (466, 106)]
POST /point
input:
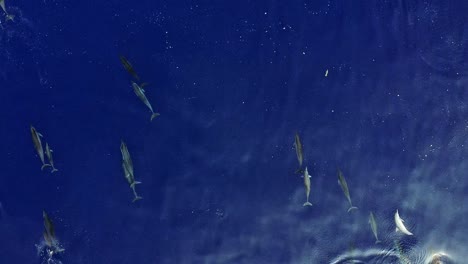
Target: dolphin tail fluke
[(154, 115), (137, 198), (307, 204), (53, 170), (9, 17), (45, 165), (352, 208), (378, 241)]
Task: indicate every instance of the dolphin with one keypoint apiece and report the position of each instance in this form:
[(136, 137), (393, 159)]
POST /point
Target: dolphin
[(141, 94), (307, 187), (344, 187), (299, 151), (128, 66), (36, 137), (127, 167), (400, 226), (7, 15), (48, 153), (49, 235), (373, 225)]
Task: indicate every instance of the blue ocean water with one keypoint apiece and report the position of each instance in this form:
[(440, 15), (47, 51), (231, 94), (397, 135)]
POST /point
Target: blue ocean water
[(377, 90)]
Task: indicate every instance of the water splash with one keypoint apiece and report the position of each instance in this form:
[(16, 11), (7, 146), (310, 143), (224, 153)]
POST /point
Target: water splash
[(49, 253), (390, 256)]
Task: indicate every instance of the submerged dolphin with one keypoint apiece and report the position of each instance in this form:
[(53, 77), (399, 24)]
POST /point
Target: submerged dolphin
[(344, 187), (49, 235), (7, 15), (128, 66), (307, 187), (48, 153), (299, 151), (400, 226), (127, 166), (373, 225), (36, 138), (141, 94)]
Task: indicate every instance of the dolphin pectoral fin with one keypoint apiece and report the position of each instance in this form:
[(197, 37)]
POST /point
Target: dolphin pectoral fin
[(45, 165), (134, 183), (136, 198), (154, 115), (397, 230)]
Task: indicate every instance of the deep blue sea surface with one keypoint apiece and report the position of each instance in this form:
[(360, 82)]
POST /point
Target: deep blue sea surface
[(375, 89)]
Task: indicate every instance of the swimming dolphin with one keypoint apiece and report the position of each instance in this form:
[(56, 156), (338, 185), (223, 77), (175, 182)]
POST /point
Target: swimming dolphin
[(36, 137), (49, 235), (141, 94), (373, 225), (299, 151), (48, 153), (400, 226), (344, 187), (127, 166), (307, 187), (128, 66), (7, 15)]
